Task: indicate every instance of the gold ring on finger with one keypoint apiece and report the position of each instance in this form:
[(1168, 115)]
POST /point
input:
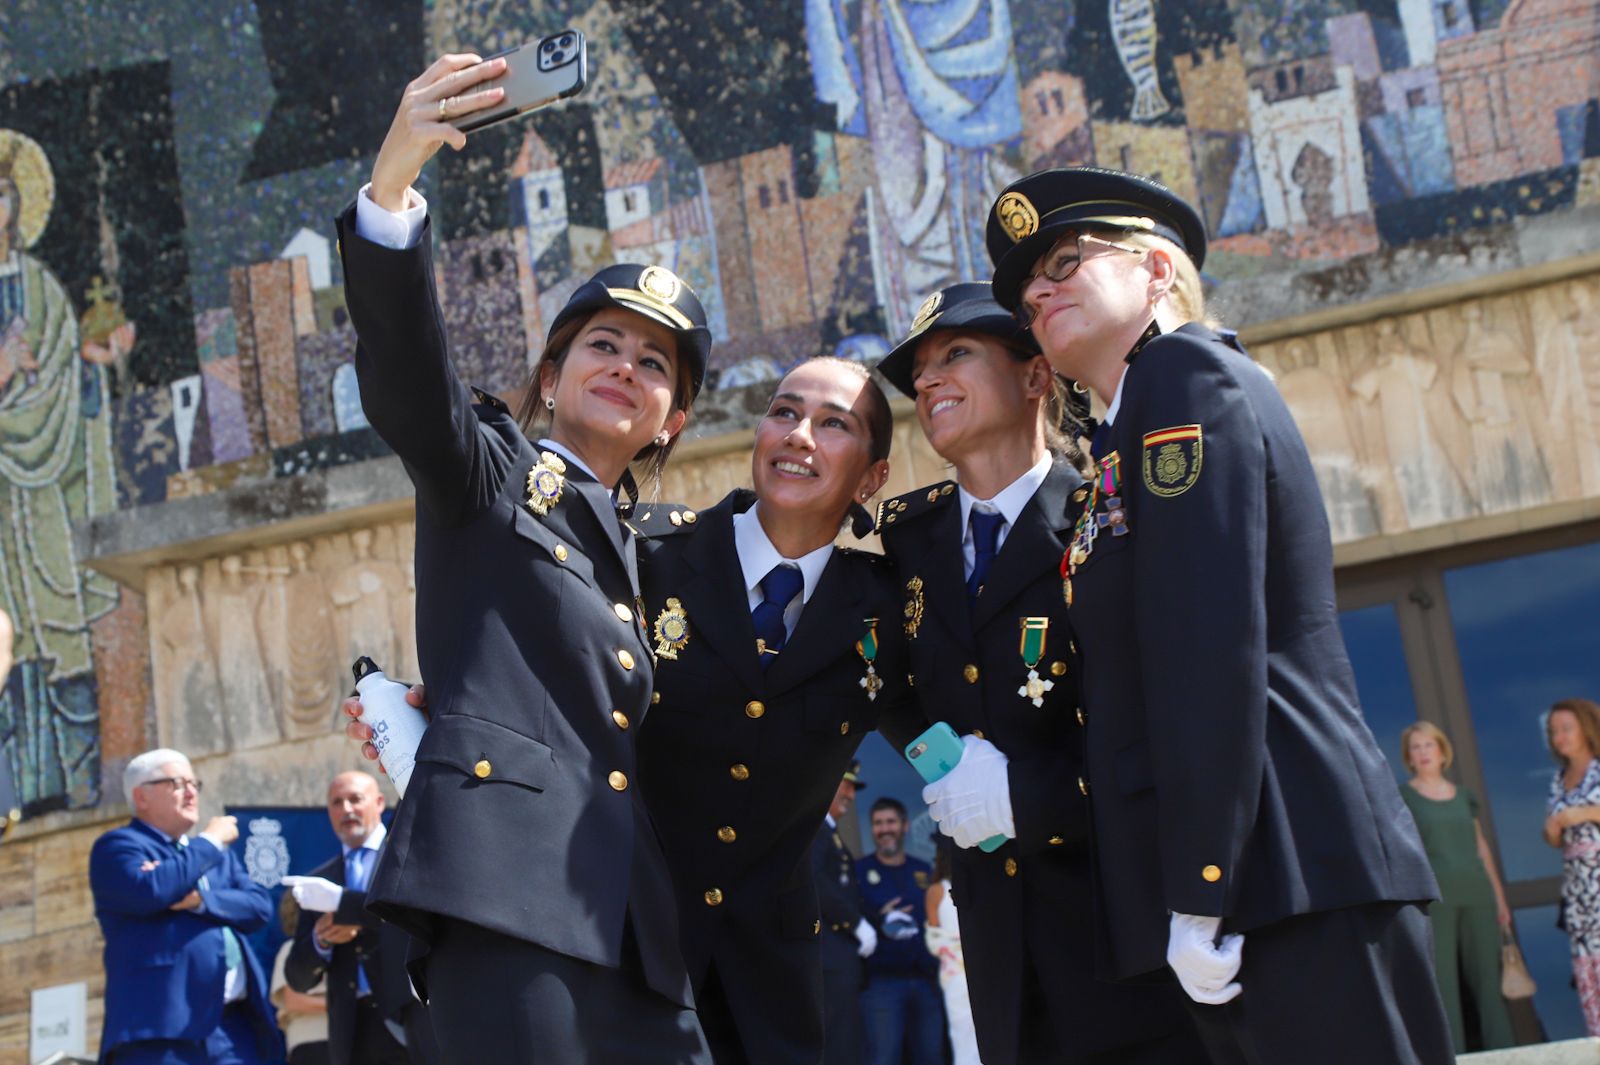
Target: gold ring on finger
[(444, 106)]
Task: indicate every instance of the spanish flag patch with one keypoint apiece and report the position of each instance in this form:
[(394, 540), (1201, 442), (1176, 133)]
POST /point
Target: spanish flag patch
[(1172, 459)]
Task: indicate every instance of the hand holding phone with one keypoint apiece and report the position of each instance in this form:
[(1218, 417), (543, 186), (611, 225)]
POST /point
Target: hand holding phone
[(935, 753), (536, 74)]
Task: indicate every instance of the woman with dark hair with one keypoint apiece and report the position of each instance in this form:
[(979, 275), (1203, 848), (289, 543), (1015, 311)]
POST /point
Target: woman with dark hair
[(1573, 824), (993, 655), (523, 860), (1248, 832)]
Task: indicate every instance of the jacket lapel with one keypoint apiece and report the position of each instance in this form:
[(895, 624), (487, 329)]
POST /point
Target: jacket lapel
[(714, 594), (830, 624), (1034, 545), (944, 585)]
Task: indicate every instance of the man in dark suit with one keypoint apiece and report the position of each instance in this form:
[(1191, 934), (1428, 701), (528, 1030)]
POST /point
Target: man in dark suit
[(181, 986), (847, 936), (373, 1018)]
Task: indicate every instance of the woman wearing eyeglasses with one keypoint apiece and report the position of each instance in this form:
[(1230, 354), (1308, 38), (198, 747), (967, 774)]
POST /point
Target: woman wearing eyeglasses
[(1248, 833)]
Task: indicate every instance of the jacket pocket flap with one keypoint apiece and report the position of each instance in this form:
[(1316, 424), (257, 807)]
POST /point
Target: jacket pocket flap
[(550, 546), (487, 751)]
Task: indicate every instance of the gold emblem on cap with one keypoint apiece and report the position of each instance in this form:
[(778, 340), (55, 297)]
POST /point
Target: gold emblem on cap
[(1017, 216), (661, 283), (545, 481), (927, 313), (671, 630)]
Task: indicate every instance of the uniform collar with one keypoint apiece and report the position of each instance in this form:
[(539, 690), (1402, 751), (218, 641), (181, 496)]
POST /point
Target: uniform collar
[(1011, 499), (757, 556), (566, 453), (1116, 399), (373, 841)]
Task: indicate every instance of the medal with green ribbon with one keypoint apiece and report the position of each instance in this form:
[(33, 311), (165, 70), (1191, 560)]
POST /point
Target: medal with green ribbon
[(1034, 631), (1107, 482), (867, 648)]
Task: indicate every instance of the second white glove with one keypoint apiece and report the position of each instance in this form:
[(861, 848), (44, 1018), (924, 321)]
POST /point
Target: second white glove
[(973, 801), (866, 938), (315, 893), (1205, 967)]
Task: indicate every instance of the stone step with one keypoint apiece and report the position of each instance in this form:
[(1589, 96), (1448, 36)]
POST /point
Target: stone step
[(1569, 1052)]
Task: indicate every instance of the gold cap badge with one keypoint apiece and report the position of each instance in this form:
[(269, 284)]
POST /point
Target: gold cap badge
[(927, 313), (1017, 216), (661, 283)]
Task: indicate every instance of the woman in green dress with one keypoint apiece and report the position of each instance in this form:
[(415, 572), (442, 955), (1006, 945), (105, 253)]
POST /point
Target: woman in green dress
[(1472, 911)]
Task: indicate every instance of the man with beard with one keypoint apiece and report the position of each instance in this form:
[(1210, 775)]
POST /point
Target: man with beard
[(901, 1005)]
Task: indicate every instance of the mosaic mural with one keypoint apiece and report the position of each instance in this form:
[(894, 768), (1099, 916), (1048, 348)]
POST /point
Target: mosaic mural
[(171, 320)]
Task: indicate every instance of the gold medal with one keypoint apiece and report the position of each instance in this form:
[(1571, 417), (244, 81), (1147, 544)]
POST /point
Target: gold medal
[(867, 648), (545, 482), (671, 630), (914, 606), (1034, 631)]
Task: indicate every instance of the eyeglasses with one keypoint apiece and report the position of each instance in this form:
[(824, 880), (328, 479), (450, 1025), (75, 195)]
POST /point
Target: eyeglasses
[(176, 784), (1061, 262)]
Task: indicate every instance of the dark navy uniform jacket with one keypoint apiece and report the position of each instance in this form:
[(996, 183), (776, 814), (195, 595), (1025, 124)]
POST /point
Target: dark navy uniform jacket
[(739, 764), (1031, 902), (1230, 769), (833, 868), (523, 814)]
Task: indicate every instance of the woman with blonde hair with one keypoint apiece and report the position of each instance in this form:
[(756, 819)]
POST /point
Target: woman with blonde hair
[(1573, 732), (1471, 914)]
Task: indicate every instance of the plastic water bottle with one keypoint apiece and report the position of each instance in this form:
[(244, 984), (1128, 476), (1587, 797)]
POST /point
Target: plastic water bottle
[(396, 725)]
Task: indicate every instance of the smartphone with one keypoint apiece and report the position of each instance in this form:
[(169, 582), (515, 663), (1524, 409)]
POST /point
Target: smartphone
[(537, 73), (935, 753)]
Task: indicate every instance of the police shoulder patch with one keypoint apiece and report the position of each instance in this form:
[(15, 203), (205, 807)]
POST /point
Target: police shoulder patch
[(903, 508), (1172, 459)]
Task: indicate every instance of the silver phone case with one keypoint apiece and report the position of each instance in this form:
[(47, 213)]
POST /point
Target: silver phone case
[(531, 82)]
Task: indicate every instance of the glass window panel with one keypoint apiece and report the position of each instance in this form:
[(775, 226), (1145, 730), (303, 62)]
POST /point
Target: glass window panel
[(1527, 630), (1549, 957), (1372, 636)]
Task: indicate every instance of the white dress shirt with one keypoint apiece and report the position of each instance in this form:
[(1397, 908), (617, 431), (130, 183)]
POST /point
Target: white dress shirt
[(757, 556), (1008, 503)]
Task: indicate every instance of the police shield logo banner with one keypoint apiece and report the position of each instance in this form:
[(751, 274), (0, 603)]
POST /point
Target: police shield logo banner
[(1172, 459)]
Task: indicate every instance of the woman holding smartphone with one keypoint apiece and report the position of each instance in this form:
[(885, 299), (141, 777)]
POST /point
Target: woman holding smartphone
[(994, 656), (778, 652), (523, 860), (1248, 833)]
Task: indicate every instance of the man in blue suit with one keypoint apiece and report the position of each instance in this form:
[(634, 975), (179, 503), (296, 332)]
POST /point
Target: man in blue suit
[(181, 986)]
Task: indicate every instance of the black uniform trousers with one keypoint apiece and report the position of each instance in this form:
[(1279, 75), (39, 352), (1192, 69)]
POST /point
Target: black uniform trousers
[(1310, 998), (374, 1044), (528, 1005)]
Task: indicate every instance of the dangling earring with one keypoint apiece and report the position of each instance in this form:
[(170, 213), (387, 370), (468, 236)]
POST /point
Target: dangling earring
[(549, 403)]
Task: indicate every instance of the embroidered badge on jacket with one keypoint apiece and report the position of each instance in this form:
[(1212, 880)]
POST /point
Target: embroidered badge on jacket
[(545, 481), (1172, 459)]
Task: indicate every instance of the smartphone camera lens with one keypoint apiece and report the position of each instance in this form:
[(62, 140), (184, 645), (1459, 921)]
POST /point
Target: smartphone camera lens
[(566, 41), (548, 46)]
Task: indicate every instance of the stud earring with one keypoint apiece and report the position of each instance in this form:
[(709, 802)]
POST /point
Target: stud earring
[(662, 437), (549, 403)]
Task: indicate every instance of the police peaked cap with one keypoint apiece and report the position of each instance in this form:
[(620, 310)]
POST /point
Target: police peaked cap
[(853, 775), (1031, 214), (970, 306), (658, 294)]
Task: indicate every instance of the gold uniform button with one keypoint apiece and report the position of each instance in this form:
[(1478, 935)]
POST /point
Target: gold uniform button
[(970, 671), (674, 517), (1058, 669), (947, 489), (1056, 841), (726, 834), (624, 658), (816, 927), (739, 771), (754, 708), (618, 780), (1083, 785), (714, 897), (560, 552), (690, 517), (655, 697), (620, 718), (933, 495), (1211, 874), (844, 728), (1080, 495), (978, 733), (482, 769), (1011, 867), (911, 680), (1082, 718), (622, 611)]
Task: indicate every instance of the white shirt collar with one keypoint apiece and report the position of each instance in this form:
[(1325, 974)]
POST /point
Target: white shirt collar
[(1116, 398), (373, 841), (1011, 499), (832, 824), (566, 453), (757, 556)]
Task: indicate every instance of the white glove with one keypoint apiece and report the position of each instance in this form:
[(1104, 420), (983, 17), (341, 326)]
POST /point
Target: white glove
[(866, 938), (315, 893), (1205, 968), (973, 801)]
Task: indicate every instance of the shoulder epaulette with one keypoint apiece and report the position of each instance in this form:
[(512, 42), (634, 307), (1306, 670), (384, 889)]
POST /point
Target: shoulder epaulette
[(485, 398), (903, 508), (656, 520)]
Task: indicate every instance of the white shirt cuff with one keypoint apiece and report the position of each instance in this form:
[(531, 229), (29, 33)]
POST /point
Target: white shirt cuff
[(387, 228)]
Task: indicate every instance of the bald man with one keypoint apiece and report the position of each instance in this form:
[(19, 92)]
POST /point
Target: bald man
[(373, 1019)]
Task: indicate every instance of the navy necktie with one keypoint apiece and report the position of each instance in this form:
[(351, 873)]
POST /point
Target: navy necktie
[(355, 878), (1100, 441), (985, 541), (778, 588)]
